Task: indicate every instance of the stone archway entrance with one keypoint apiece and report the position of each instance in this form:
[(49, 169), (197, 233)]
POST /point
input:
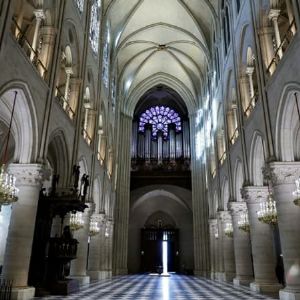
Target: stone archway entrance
[(160, 244)]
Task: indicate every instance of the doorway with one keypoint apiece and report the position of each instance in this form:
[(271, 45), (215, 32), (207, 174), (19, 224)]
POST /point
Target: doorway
[(159, 250)]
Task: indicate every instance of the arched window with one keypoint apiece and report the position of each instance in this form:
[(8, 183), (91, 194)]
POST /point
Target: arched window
[(225, 26), (238, 6), (80, 5), (160, 117), (95, 25)]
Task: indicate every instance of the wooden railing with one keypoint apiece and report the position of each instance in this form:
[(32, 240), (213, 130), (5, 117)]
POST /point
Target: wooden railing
[(251, 105), (64, 104), (223, 158), (29, 51), (234, 137), (286, 40), (86, 136)]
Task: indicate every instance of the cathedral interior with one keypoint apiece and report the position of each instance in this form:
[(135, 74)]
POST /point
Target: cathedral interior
[(149, 149)]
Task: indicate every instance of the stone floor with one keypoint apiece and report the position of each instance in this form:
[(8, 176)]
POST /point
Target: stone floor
[(144, 287)]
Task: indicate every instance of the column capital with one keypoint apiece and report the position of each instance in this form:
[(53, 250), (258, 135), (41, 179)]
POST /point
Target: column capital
[(100, 218), (224, 216), (69, 70), (249, 71), (28, 174), (237, 207), (274, 14), (212, 222), (39, 14), (282, 172), (255, 194)]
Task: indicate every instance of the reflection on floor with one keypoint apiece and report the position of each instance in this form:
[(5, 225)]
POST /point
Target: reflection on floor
[(176, 287)]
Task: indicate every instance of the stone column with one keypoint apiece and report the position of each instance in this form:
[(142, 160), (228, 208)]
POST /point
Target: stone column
[(121, 214), (21, 228), (264, 253), (74, 96), (220, 240), (273, 15), (249, 72), (283, 176), (103, 251), (228, 249), (96, 247), (69, 72), (244, 83), (109, 235), (87, 108), (268, 50), (39, 15), (212, 230), (242, 247), (47, 34), (78, 265)]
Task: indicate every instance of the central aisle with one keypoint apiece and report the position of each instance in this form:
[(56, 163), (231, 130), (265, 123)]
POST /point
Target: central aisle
[(176, 287)]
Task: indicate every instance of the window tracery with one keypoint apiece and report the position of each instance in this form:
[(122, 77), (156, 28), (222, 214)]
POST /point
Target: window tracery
[(95, 25), (160, 117)]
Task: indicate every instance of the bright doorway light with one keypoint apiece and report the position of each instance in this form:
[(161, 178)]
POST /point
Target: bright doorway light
[(165, 257)]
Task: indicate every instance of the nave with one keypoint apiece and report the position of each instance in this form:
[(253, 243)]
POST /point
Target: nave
[(175, 287)]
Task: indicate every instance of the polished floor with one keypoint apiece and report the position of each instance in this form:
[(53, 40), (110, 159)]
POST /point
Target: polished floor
[(175, 287)]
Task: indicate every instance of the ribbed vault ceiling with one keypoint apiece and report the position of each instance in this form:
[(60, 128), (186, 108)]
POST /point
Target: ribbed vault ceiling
[(167, 39)]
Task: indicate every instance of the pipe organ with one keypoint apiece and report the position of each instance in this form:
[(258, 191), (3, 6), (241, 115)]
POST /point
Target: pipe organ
[(159, 134)]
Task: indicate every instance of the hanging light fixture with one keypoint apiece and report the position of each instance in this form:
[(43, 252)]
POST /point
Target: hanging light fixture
[(243, 223), (268, 212), (8, 190), (228, 230), (76, 221), (94, 228)]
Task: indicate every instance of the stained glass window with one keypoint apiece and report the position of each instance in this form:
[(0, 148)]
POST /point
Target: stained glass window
[(95, 25), (105, 67), (80, 5), (160, 117)]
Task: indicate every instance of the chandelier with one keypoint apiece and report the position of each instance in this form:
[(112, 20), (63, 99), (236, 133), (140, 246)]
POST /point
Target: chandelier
[(243, 223), (94, 228), (76, 221), (228, 230), (8, 190), (297, 192), (268, 212)]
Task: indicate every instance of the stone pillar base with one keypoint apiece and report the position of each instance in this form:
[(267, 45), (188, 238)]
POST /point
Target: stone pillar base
[(243, 281), (202, 273), (268, 288), (220, 276), (289, 295), (228, 277), (99, 275), (83, 280), (121, 272), (24, 293)]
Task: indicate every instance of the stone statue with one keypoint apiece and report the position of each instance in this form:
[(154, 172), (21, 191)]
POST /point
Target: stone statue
[(76, 173)]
